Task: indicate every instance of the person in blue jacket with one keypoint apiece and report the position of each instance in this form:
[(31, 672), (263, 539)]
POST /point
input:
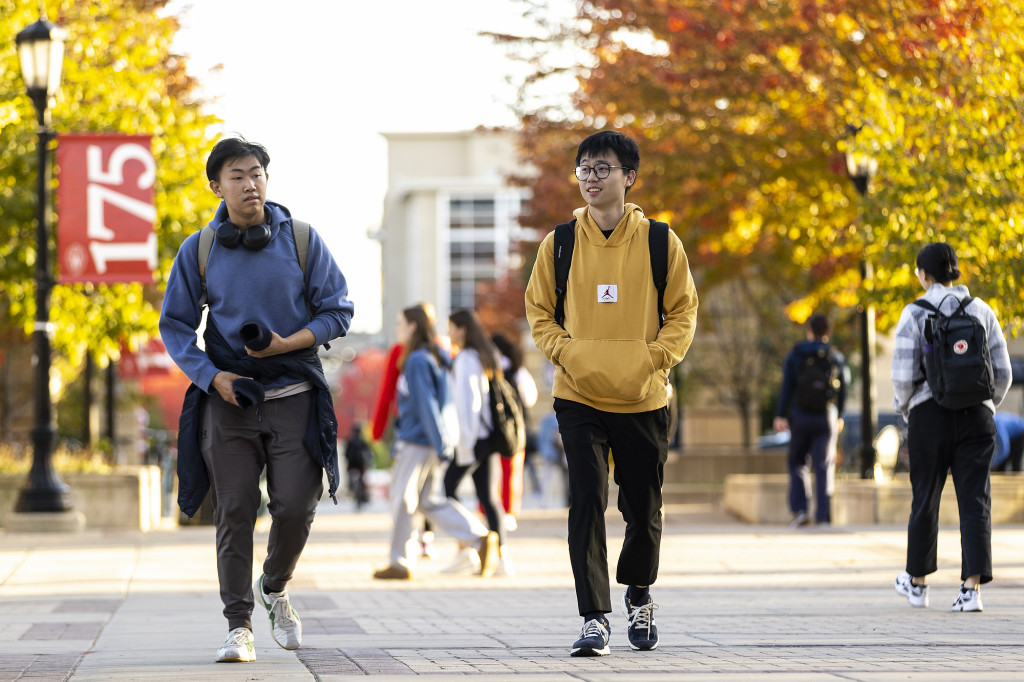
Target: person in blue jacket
[(426, 432), (814, 421), (1009, 442), (258, 398)]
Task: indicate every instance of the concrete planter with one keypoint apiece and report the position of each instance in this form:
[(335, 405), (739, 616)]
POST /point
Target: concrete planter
[(127, 499), (764, 499)]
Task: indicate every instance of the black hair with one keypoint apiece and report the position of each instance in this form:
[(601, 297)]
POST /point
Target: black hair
[(509, 350), (938, 259), (476, 338), (818, 324), (611, 140), (234, 148)]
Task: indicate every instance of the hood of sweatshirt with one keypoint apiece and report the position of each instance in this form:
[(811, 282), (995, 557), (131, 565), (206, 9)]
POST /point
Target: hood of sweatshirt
[(622, 233)]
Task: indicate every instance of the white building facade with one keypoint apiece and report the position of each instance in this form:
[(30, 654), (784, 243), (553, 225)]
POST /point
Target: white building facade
[(451, 219)]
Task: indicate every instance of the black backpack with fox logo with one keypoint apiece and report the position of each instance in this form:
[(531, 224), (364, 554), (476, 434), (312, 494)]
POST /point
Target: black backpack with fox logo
[(956, 358), (817, 382)]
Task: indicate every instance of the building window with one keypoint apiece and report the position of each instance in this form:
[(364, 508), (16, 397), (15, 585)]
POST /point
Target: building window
[(471, 213)]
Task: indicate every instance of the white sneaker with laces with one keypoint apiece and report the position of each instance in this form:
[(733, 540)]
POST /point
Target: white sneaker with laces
[(917, 595), (968, 599), (285, 624), (467, 561), (239, 647)]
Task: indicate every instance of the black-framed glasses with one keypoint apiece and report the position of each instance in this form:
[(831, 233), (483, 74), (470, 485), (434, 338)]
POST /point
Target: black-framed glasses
[(601, 169)]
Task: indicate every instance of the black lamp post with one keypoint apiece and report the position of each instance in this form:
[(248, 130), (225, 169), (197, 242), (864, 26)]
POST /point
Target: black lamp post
[(41, 52), (861, 168)]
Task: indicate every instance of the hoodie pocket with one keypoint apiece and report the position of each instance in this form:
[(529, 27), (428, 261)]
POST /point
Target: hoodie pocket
[(613, 371)]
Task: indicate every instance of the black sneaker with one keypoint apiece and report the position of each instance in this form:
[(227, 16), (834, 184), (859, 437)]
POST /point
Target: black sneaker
[(593, 639), (640, 628)]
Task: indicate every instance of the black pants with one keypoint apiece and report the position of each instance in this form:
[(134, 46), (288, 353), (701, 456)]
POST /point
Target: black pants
[(941, 441), (812, 446), (483, 472), (639, 442)]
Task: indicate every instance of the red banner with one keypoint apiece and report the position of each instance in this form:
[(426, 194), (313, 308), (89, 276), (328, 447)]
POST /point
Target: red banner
[(105, 208)]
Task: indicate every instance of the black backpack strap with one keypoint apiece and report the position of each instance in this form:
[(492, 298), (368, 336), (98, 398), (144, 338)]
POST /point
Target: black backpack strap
[(926, 305), (657, 244), (565, 241)]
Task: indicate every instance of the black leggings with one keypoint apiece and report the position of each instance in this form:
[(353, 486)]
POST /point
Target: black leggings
[(486, 488)]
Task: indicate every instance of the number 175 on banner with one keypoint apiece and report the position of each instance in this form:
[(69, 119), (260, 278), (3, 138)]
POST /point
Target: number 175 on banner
[(105, 208)]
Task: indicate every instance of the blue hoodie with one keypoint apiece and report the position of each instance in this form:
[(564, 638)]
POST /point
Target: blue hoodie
[(264, 286)]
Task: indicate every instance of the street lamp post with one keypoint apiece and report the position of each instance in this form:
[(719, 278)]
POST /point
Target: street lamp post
[(861, 168), (41, 52)]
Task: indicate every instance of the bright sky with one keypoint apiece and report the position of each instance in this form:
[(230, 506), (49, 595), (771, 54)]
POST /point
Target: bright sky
[(317, 81)]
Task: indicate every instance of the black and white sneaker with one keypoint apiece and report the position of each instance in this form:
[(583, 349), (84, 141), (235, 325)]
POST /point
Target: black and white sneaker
[(593, 639), (640, 628)]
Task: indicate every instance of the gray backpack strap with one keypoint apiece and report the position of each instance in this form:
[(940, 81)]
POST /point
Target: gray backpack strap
[(301, 232), (206, 236)]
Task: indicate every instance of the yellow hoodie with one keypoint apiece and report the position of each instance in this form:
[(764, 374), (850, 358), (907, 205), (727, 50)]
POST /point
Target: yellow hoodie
[(611, 355)]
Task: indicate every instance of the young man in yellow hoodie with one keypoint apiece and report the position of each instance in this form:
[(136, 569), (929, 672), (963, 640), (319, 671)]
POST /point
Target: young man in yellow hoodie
[(611, 383)]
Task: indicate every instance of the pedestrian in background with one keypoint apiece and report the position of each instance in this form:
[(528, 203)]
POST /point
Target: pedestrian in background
[(476, 361), (1009, 442), (514, 468), (612, 357), (814, 380), (942, 440), (258, 397), (358, 458), (426, 431), (385, 409)]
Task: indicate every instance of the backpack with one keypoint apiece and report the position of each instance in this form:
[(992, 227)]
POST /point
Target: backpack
[(957, 363), (508, 426), (817, 382), (565, 241)]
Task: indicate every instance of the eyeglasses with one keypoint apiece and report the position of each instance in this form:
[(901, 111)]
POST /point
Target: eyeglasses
[(602, 170)]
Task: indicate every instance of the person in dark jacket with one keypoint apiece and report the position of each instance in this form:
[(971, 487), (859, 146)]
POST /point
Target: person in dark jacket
[(258, 397), (814, 421)]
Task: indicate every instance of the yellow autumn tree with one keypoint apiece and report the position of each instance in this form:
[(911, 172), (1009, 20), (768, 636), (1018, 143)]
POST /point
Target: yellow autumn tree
[(120, 75)]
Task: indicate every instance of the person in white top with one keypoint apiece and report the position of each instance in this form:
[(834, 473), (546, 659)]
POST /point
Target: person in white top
[(475, 361)]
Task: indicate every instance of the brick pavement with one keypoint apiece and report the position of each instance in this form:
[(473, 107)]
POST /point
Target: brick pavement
[(737, 602)]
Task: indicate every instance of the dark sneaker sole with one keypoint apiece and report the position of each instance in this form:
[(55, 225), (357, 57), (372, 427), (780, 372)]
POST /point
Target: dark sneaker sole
[(587, 651)]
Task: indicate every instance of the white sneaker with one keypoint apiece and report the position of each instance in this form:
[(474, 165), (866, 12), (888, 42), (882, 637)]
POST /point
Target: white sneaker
[(505, 567), (510, 523), (239, 647), (467, 560), (917, 595), (285, 624), (968, 600)]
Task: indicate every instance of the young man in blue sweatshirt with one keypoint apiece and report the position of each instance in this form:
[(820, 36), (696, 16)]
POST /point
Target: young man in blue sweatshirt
[(258, 397)]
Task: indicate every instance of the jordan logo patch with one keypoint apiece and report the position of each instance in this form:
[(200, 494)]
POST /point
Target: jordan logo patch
[(607, 293)]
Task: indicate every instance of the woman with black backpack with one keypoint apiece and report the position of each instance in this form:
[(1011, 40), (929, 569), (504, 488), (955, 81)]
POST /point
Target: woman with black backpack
[(947, 434), (474, 364)]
